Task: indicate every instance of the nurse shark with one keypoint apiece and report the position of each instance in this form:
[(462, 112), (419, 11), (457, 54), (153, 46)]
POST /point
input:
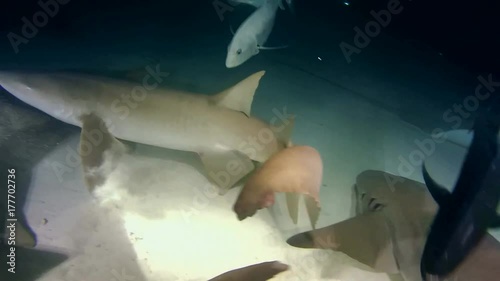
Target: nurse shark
[(220, 127), (252, 34), (389, 232)]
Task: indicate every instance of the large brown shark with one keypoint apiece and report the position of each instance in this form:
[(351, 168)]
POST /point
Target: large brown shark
[(218, 127), (389, 231)]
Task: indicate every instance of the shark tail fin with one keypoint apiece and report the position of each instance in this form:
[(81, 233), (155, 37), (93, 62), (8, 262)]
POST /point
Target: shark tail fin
[(240, 96)]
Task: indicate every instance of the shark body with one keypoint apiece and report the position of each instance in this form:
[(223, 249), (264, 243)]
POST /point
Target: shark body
[(252, 34), (393, 218), (217, 127)]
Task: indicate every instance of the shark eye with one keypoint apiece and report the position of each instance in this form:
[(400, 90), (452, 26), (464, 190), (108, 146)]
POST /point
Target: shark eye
[(238, 52)]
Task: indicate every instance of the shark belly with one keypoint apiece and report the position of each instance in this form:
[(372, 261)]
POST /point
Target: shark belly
[(192, 124)]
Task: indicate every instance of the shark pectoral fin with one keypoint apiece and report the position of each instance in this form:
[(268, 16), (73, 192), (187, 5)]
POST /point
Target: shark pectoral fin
[(240, 96), (98, 150), (292, 203), (225, 168), (364, 238), (313, 209), (273, 48), (440, 194)]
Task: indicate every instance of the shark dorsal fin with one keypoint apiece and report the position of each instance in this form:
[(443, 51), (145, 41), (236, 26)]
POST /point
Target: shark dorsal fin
[(240, 96)]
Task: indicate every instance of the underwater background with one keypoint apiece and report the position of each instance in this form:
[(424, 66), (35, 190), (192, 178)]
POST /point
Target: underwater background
[(372, 109)]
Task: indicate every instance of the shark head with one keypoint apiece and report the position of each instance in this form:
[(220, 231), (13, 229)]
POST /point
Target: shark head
[(240, 50), (248, 203), (294, 170)]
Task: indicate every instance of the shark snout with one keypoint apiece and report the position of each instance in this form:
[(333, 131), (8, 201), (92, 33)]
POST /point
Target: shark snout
[(231, 63), (302, 240)]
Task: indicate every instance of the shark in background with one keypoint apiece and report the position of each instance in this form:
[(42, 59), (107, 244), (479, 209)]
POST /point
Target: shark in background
[(218, 127), (251, 36), (389, 231)]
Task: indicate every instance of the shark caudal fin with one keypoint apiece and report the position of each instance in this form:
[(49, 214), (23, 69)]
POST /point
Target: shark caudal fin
[(240, 96)]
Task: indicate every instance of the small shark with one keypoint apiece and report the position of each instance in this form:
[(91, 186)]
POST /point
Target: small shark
[(389, 232), (218, 127), (257, 272), (296, 170), (252, 34)]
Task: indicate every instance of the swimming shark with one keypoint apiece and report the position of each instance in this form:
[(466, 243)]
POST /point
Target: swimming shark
[(252, 34), (220, 127), (389, 232), (297, 171)]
